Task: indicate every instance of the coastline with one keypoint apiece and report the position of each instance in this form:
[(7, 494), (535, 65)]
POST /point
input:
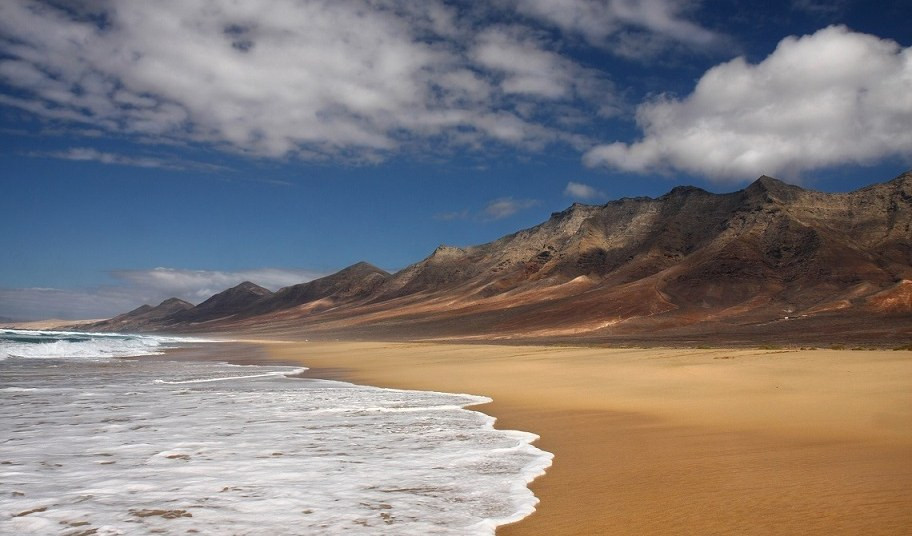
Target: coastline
[(671, 441), (668, 441), (215, 446)]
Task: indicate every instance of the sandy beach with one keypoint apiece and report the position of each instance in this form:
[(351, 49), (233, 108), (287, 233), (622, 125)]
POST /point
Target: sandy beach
[(678, 441)]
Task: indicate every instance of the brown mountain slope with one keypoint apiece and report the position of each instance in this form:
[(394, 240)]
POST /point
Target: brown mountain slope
[(141, 318), (222, 306), (355, 283), (689, 258), (688, 264)]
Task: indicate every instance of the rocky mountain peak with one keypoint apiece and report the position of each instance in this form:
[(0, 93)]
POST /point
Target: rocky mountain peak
[(444, 251), (683, 191), (145, 308), (769, 189), (362, 268), (250, 288), (175, 303)]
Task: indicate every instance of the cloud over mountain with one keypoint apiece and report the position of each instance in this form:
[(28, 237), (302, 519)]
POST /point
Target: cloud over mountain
[(830, 98), (506, 207), (578, 190), (134, 288), (370, 80), (196, 285)]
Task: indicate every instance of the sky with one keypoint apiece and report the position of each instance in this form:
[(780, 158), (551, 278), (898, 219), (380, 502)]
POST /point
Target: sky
[(179, 147)]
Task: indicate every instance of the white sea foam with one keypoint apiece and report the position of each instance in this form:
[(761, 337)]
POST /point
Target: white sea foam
[(77, 345), (103, 445), (229, 378)]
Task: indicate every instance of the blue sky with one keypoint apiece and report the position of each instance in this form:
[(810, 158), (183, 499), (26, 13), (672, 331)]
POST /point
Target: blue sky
[(174, 148)]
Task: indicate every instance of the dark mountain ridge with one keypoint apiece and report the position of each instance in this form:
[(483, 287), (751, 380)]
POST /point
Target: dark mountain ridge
[(225, 304), (357, 282), (141, 318), (687, 262)]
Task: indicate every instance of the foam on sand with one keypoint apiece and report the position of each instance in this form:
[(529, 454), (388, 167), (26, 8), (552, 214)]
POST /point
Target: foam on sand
[(127, 446)]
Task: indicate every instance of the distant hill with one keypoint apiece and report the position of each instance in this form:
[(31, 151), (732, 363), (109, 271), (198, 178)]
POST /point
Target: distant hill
[(142, 318), (772, 259), (350, 285), (355, 283), (223, 305)]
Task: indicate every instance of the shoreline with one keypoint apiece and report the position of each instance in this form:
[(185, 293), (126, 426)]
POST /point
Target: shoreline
[(633, 462), (257, 353), (673, 441)]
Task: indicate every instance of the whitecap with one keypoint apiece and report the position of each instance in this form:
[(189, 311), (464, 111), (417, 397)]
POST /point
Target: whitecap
[(251, 454)]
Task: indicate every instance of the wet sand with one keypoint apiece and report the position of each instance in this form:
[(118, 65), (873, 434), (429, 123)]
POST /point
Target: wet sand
[(671, 441)]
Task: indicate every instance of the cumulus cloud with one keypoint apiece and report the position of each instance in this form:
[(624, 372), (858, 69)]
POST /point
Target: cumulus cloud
[(527, 67), (614, 24), (318, 79), (578, 190), (506, 207), (137, 287), (830, 98)]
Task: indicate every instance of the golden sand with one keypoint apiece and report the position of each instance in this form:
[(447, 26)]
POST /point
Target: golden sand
[(670, 441)]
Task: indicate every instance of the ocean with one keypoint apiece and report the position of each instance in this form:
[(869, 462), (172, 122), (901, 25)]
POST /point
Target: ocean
[(97, 439)]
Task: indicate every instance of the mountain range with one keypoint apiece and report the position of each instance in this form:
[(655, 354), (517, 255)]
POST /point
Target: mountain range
[(768, 263)]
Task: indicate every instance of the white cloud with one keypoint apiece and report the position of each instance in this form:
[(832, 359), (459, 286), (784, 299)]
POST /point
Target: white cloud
[(506, 207), (198, 285), (315, 79), (93, 155), (578, 190), (527, 67), (524, 65), (834, 97), (137, 287), (496, 209), (608, 23), (89, 154)]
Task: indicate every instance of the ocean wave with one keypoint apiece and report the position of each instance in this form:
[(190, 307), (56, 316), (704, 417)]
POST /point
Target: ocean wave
[(32, 344), (252, 454)]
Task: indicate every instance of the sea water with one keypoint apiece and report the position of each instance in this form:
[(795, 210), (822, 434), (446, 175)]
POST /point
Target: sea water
[(92, 443)]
